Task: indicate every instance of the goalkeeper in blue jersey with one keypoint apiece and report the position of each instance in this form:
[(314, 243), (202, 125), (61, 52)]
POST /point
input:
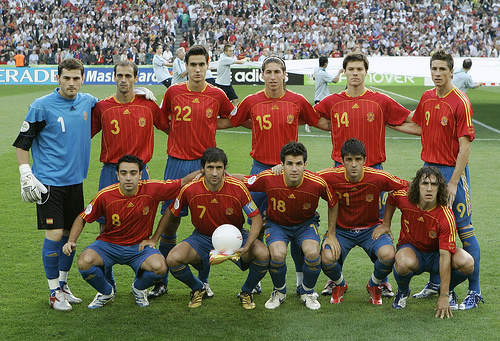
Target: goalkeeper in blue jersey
[(57, 130)]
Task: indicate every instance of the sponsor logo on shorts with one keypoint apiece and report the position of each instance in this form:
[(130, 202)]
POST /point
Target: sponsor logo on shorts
[(25, 127), (49, 221)]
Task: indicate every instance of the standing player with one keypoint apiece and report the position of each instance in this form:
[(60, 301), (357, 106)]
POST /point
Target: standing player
[(160, 67), (223, 79), (213, 200), (57, 129), (126, 121), (273, 114), (291, 216), (363, 114), (445, 115), (358, 188), (130, 210), (322, 78), (192, 110), (427, 239), (179, 71)]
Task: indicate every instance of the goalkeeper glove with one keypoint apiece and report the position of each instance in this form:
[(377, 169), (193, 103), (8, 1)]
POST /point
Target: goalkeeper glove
[(142, 91), (31, 187)]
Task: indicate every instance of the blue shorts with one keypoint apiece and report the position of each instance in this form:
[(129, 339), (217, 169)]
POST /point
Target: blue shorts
[(383, 195), (462, 204), (350, 238), (113, 254), (427, 261), (297, 233), (202, 244), (259, 198), (108, 178), (177, 169)]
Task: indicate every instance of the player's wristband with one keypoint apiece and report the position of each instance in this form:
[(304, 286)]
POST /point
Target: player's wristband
[(24, 169)]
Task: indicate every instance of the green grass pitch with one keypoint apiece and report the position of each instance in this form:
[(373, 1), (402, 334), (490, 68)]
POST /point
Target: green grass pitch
[(24, 308)]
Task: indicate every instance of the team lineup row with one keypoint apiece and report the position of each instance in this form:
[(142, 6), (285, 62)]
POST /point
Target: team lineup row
[(195, 109)]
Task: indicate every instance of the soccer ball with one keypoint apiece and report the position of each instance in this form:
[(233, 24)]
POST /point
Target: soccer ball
[(227, 238)]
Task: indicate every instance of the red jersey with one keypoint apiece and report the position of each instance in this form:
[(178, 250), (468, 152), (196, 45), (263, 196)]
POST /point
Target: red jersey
[(443, 121), (129, 219), (359, 201), (275, 122), (363, 118), (290, 206), (192, 117), (429, 230), (127, 128), (210, 209)]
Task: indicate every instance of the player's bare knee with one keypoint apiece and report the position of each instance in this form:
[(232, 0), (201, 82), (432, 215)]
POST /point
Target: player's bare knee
[(312, 252), (462, 261), (54, 235), (327, 257), (386, 254), (260, 252)]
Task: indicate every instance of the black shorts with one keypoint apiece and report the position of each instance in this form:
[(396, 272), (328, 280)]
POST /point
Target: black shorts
[(59, 207), (228, 89)]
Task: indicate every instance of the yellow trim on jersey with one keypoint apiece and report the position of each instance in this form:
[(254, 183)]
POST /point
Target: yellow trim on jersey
[(467, 106), (452, 222)]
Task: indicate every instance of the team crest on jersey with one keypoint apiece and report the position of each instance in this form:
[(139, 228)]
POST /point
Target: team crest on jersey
[(370, 117), (229, 211), (306, 206), (289, 119), (209, 113), (88, 209), (444, 121), (369, 197), (432, 234), (85, 116), (145, 210), (142, 122), (25, 127)]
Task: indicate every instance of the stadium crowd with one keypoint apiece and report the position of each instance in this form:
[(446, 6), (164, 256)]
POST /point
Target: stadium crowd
[(105, 32)]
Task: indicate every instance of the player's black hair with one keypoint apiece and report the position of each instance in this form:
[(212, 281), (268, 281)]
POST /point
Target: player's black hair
[(125, 63), (423, 173), (443, 55), (196, 50), (294, 149), (323, 60), (130, 159), (70, 64), (353, 147), (467, 64), (355, 57), (213, 154)]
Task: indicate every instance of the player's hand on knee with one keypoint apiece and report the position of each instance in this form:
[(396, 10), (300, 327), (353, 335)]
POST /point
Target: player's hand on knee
[(31, 187), (147, 242)]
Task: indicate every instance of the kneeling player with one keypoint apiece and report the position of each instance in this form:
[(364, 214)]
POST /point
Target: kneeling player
[(129, 208), (213, 200), (427, 239), (292, 199), (358, 188)]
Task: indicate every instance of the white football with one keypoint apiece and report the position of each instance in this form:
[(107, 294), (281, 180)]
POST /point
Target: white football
[(226, 239)]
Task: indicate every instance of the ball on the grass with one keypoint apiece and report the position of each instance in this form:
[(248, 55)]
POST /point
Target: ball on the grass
[(227, 238)]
